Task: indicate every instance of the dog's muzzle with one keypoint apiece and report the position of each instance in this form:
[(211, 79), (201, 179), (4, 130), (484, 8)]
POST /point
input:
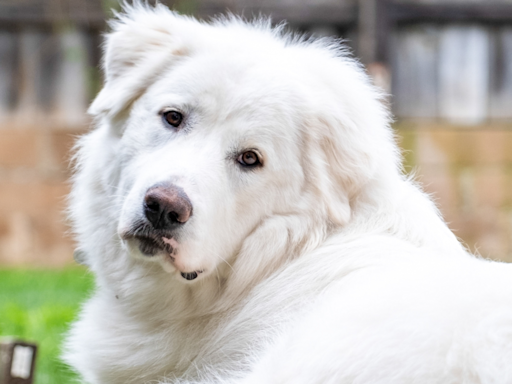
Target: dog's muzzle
[(166, 208)]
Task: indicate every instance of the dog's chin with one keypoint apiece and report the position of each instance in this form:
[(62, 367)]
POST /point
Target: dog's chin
[(168, 264)]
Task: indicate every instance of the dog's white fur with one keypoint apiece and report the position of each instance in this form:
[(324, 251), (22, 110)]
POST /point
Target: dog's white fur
[(325, 265)]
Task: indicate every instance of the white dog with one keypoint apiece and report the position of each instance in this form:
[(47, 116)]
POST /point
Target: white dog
[(242, 205)]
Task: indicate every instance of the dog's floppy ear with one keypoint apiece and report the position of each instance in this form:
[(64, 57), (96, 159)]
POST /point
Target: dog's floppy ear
[(346, 128), (328, 174), (352, 146), (143, 42)]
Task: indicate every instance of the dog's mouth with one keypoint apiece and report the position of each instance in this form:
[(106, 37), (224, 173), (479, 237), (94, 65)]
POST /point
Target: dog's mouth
[(151, 243), (150, 246), (190, 275)]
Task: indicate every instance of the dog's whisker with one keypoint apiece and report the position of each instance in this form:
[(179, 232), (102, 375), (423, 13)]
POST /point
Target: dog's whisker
[(229, 265)]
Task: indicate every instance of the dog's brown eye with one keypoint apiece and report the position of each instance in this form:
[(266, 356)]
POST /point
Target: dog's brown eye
[(249, 158), (173, 118)]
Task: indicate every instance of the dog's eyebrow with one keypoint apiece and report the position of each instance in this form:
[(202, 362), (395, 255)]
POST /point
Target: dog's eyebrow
[(232, 153)]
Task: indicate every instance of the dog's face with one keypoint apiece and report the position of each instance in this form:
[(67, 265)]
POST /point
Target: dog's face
[(227, 139), (209, 150)]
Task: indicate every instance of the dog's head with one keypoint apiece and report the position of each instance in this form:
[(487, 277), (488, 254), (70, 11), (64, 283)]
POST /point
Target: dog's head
[(212, 134)]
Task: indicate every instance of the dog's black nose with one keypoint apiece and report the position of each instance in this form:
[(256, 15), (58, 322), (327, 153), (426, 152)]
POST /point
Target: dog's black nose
[(167, 206)]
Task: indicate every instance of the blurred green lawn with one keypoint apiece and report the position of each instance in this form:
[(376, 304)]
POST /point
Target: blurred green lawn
[(38, 305)]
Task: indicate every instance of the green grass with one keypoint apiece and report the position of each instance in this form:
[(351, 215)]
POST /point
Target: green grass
[(38, 305)]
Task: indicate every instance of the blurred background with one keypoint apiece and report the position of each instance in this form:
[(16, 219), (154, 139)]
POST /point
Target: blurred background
[(447, 65)]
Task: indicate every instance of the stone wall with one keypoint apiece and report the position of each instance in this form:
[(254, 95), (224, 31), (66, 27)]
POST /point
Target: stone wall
[(468, 172), (34, 169)]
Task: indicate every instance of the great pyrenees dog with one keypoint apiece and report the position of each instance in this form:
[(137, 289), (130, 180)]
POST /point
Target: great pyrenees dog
[(242, 205)]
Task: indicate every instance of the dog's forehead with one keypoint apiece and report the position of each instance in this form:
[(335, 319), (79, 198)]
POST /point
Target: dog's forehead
[(237, 85)]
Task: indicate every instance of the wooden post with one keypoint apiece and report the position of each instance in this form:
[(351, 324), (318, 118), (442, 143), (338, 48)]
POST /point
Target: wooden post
[(72, 90), (7, 71), (17, 362), (373, 41), (30, 43), (464, 74), (367, 29)]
